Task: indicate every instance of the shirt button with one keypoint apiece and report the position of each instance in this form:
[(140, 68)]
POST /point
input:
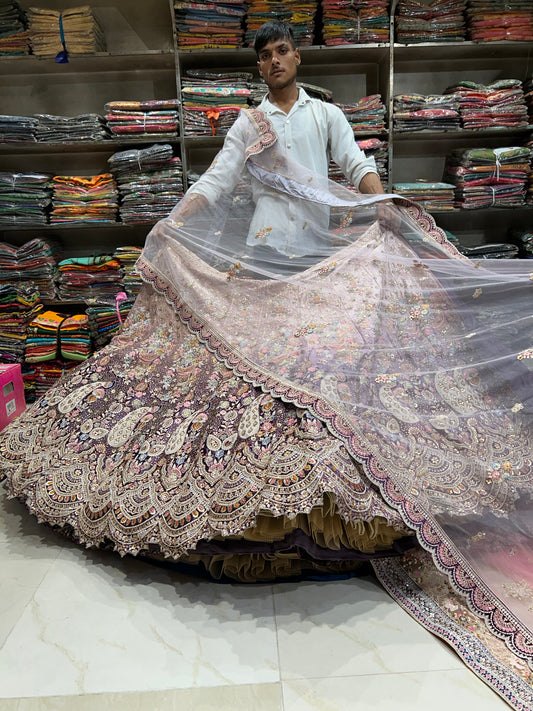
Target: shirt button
[(288, 145)]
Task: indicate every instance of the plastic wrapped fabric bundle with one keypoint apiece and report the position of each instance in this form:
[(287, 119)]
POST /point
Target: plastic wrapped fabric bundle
[(366, 114), (17, 128), (84, 199), (499, 20), (34, 261), (24, 198), (85, 127), (437, 21), (272, 411), (432, 196), (14, 36), (206, 24), (417, 112), (143, 118), (500, 103), (19, 304), (78, 25), (358, 22)]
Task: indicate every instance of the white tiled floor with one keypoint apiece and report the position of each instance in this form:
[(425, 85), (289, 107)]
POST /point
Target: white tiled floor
[(83, 630)]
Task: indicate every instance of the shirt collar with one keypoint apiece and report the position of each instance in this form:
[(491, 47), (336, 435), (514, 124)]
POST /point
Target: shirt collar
[(270, 108)]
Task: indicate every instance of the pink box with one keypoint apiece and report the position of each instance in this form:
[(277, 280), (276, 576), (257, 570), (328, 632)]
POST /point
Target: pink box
[(12, 401)]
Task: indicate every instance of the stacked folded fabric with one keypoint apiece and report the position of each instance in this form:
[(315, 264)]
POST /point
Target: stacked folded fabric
[(416, 112), (432, 196), (80, 28), (528, 98), (104, 322), (35, 261), (150, 182), (127, 258), (373, 147), (14, 35), (143, 118), (367, 114), (84, 199), (355, 21), (486, 177), (39, 377), (503, 250), (59, 129), (208, 24), (17, 128), (524, 242), (300, 14), (54, 336), (24, 198), (497, 20), (500, 103), (212, 100), (529, 192), (19, 304), (89, 277), (437, 21)]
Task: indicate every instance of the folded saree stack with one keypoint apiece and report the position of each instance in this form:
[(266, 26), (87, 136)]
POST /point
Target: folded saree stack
[(212, 100), (438, 21), (84, 199), (89, 277), (432, 196), (17, 128), (372, 147), (149, 180), (498, 20), (417, 112), (14, 35), (529, 193), (52, 336), (300, 14), (63, 129), (528, 98), (35, 261), (486, 177), (355, 21), (39, 377), (104, 322), (367, 114), (127, 257), (208, 24), (78, 25), (143, 118), (500, 103), (19, 304), (24, 198)]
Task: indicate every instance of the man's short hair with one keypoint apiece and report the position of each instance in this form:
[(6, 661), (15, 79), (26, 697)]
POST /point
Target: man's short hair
[(273, 30)]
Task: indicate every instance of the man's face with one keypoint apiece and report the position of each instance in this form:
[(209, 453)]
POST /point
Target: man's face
[(277, 63)]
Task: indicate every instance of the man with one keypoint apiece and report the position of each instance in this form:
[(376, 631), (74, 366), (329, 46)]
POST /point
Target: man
[(308, 130)]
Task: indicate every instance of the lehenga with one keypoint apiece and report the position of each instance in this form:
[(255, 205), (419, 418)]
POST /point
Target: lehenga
[(258, 420)]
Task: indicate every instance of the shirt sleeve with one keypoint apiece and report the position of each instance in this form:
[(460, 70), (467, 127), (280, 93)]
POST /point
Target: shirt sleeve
[(344, 149), (227, 167)]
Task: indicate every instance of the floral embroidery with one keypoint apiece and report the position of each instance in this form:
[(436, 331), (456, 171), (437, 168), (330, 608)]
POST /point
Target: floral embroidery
[(517, 407), (499, 472), (418, 311), (528, 353), (386, 377), (233, 271), (310, 328), (263, 233), (347, 219), (477, 293), (327, 268)]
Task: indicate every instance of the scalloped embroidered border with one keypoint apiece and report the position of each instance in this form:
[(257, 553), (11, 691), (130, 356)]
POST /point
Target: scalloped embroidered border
[(462, 577), (472, 651)]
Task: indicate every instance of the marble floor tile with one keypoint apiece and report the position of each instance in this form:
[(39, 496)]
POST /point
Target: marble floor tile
[(436, 690), (342, 628), (98, 623), (257, 697)]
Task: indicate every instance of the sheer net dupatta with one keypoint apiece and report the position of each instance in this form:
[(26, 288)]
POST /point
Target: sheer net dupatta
[(417, 358)]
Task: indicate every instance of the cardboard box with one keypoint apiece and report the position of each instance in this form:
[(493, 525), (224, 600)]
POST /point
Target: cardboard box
[(12, 401)]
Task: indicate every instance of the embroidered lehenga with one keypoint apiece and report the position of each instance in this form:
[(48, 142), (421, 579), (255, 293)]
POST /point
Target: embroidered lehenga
[(263, 417)]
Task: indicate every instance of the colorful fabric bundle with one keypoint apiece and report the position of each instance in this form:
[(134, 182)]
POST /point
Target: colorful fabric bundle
[(84, 199), (300, 14), (497, 20), (367, 114), (24, 198), (528, 97), (524, 242), (19, 304), (158, 118), (104, 321), (433, 196), (127, 257), (438, 21), (500, 103), (59, 129), (39, 377), (529, 191), (212, 100), (17, 128), (373, 147), (149, 180), (35, 261), (416, 112), (89, 277), (14, 35), (52, 335), (486, 177), (355, 21), (78, 25), (208, 24)]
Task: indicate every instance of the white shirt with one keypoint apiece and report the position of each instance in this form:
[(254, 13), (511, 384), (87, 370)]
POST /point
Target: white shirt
[(312, 133)]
